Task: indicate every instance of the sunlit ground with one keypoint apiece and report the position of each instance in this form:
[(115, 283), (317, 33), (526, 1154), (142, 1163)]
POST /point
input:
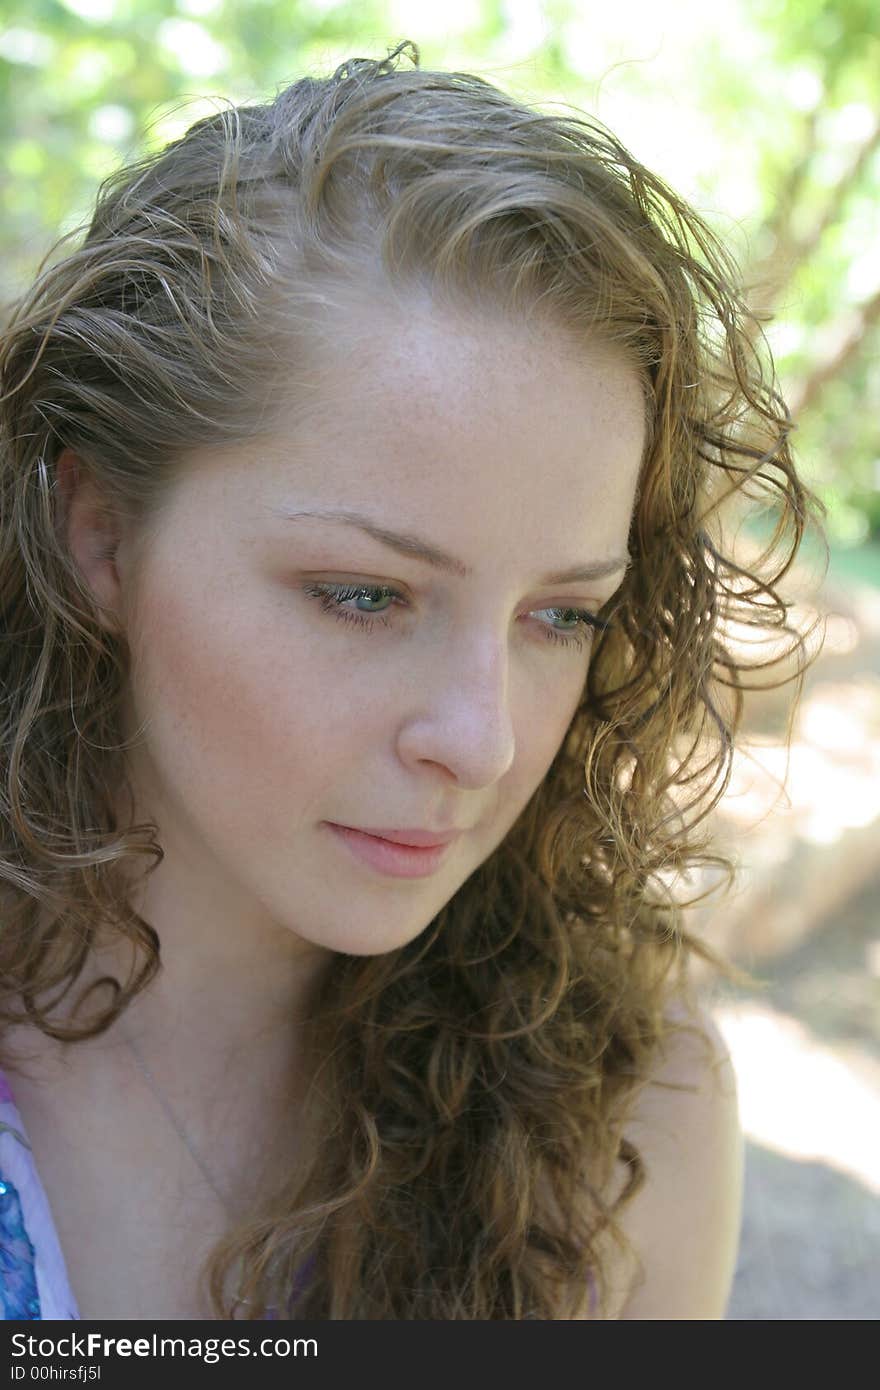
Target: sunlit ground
[(803, 919), (800, 1098), (832, 769)]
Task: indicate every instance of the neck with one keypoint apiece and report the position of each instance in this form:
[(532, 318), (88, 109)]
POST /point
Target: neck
[(221, 1032)]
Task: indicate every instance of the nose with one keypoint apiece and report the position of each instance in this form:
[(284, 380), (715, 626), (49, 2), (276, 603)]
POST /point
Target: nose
[(461, 717)]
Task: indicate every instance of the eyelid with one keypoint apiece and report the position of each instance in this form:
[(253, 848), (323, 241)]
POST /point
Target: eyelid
[(332, 597), (595, 601)]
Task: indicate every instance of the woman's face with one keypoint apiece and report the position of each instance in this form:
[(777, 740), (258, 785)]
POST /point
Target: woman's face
[(433, 697)]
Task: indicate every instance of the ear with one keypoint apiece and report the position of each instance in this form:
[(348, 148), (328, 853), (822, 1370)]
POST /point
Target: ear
[(93, 535)]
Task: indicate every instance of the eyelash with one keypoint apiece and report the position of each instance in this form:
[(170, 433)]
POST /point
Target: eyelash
[(332, 596)]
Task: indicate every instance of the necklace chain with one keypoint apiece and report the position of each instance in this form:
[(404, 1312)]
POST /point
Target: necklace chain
[(184, 1138), (177, 1126)]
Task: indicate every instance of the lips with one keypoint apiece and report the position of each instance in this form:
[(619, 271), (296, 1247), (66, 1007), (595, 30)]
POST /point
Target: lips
[(390, 857), (419, 839)]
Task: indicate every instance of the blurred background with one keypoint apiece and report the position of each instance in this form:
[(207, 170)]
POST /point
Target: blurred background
[(766, 115)]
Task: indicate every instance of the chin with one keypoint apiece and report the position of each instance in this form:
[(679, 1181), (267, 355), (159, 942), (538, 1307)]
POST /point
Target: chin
[(368, 940)]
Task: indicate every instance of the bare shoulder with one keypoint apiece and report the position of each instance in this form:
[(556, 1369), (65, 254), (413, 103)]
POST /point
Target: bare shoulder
[(685, 1222)]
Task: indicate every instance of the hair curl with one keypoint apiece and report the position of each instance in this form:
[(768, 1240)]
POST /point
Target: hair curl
[(493, 1056)]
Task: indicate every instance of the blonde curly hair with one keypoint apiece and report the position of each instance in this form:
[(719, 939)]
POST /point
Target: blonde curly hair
[(474, 1082)]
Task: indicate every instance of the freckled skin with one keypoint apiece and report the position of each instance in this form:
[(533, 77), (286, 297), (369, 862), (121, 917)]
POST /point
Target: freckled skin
[(254, 716), (264, 716)]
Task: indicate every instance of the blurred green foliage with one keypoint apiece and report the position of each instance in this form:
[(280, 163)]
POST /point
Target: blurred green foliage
[(765, 112)]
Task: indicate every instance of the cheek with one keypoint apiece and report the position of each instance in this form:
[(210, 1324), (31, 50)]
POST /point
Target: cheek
[(551, 719), (552, 723), (541, 725), (233, 710)]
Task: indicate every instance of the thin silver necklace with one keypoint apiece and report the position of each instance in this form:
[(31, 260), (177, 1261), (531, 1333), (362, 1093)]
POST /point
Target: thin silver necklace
[(185, 1140), (177, 1126)]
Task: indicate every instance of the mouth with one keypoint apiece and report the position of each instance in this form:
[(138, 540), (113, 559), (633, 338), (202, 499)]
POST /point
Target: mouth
[(417, 839), (400, 860)]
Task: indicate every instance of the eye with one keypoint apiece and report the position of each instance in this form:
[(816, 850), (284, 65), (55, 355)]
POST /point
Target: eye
[(333, 597), (581, 634)]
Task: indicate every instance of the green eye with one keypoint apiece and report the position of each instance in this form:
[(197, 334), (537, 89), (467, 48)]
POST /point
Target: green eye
[(334, 597)]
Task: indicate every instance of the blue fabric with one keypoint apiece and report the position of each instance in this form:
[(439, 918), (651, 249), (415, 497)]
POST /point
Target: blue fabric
[(18, 1279)]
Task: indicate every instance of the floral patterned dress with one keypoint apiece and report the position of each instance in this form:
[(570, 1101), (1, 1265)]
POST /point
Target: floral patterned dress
[(33, 1276)]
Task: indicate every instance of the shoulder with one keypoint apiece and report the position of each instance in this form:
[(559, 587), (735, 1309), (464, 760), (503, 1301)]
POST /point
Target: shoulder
[(685, 1222)]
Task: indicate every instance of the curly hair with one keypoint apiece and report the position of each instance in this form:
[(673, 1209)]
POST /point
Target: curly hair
[(470, 1088)]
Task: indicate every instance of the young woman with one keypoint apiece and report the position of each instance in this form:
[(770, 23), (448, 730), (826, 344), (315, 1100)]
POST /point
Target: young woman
[(364, 600)]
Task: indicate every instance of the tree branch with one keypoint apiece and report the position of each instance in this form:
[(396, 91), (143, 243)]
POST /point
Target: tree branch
[(768, 279), (804, 396)]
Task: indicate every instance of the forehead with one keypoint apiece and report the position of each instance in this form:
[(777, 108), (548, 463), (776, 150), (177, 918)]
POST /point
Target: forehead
[(437, 357), (435, 399), (506, 442)]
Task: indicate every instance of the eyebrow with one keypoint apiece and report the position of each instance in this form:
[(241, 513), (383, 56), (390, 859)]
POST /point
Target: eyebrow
[(415, 547)]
